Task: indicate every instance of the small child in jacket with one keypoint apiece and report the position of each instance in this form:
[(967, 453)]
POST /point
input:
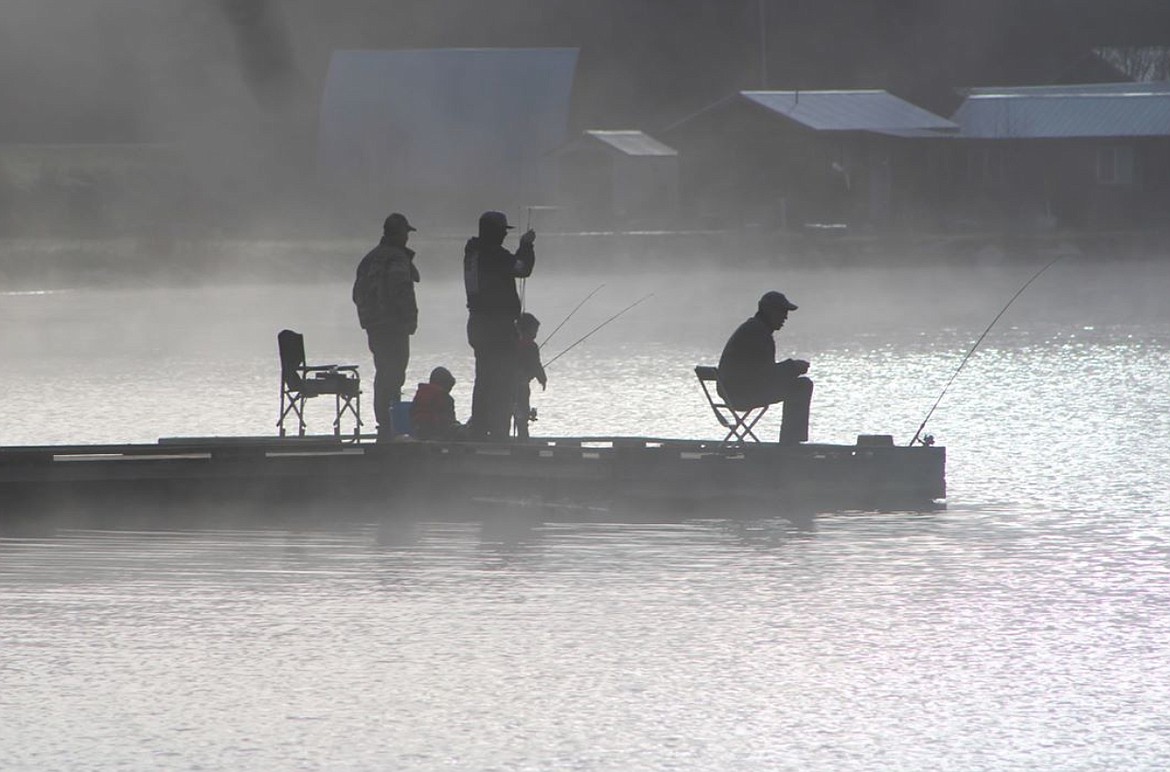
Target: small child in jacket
[(528, 366), (432, 414)]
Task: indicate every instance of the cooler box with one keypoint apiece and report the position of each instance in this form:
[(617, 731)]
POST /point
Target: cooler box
[(400, 414)]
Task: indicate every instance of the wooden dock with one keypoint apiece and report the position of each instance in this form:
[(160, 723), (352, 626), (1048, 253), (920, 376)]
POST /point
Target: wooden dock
[(335, 478)]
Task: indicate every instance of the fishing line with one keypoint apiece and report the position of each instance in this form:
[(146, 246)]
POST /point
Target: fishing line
[(524, 279), (959, 369), (570, 316), (598, 327)]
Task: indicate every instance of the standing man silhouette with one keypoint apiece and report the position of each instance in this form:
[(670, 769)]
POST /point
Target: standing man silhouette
[(493, 306), (383, 292)]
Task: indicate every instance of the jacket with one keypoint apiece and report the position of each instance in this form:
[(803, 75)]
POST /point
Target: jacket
[(489, 276), (383, 289), (528, 364), (432, 413), (748, 364)]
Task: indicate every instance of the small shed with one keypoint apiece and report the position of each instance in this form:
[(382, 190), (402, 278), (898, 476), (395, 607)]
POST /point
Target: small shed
[(783, 158), (619, 177)]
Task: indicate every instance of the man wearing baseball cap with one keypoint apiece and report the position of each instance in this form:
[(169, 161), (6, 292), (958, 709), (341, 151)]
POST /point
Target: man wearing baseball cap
[(383, 292), (750, 376), (493, 306)]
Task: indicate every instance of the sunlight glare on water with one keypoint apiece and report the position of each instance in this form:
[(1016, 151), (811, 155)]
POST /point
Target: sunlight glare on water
[(1025, 626)]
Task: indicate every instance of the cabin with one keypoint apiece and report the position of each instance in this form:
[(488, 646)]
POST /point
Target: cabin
[(623, 178), (851, 159), (1080, 157)]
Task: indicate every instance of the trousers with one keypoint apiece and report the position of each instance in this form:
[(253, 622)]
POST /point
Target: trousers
[(491, 397), (521, 406), (493, 339), (391, 350), (781, 386)]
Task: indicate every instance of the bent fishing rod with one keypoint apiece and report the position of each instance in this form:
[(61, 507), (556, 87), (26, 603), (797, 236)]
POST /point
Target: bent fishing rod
[(959, 369), (587, 335), (570, 316)]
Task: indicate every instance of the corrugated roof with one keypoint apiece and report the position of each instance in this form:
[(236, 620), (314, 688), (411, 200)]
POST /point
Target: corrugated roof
[(1056, 112), (867, 110), (636, 143)]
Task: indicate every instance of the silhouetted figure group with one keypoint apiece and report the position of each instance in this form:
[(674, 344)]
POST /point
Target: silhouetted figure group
[(507, 356)]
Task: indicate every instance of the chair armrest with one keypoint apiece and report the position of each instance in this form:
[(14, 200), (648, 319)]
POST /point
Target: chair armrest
[(317, 368)]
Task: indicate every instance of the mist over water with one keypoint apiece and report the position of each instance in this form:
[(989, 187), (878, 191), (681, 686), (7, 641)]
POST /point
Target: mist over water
[(162, 218), (1022, 627)]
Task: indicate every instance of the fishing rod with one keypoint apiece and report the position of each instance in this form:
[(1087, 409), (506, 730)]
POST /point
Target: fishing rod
[(959, 369), (528, 227), (639, 301), (570, 316)]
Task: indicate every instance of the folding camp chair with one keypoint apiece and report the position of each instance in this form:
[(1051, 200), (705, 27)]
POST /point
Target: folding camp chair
[(737, 421), (299, 382)]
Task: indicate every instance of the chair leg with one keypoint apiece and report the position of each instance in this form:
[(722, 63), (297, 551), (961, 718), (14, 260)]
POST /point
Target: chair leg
[(286, 405), (357, 424), (751, 425), (351, 405), (742, 426), (295, 404)]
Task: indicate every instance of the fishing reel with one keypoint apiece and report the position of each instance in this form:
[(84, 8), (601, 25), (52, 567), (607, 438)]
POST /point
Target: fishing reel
[(926, 439), (531, 415)]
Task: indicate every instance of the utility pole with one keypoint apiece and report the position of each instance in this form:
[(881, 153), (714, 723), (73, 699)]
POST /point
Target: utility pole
[(763, 46)]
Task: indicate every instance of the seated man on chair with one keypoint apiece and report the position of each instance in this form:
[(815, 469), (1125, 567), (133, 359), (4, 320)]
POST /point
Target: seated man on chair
[(749, 376)]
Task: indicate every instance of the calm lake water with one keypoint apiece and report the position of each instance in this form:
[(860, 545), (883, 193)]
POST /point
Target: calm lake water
[(1026, 626)]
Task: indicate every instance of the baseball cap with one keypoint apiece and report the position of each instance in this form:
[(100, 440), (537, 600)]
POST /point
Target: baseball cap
[(498, 219), (773, 300), (397, 222)]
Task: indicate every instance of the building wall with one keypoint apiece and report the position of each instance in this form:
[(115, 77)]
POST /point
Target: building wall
[(740, 169), (601, 188), (1065, 183), (645, 190)]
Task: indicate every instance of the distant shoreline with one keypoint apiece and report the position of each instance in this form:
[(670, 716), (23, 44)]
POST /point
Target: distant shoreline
[(58, 262)]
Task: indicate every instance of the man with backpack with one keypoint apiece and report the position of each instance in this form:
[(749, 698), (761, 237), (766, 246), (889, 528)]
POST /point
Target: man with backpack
[(490, 272), (387, 310)]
